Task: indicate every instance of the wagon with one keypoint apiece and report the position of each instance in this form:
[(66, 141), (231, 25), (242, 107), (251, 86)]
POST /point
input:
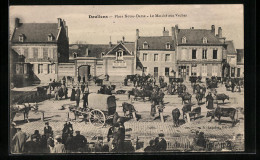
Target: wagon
[(100, 109)]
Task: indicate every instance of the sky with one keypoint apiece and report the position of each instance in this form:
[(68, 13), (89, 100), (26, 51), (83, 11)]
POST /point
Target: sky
[(98, 30)]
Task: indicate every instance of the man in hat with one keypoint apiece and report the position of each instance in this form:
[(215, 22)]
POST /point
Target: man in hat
[(32, 146), (151, 147), (70, 144), (58, 146), (37, 135), (121, 132), (48, 130), (80, 141), (83, 87), (161, 143), (77, 96), (19, 140)]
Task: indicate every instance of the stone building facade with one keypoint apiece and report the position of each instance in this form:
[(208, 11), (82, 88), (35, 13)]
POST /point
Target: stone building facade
[(43, 46), (199, 52)]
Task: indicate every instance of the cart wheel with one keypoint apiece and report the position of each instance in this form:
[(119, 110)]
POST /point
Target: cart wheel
[(97, 118)]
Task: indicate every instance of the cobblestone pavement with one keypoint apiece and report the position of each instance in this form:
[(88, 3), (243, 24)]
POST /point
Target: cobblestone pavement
[(146, 125)]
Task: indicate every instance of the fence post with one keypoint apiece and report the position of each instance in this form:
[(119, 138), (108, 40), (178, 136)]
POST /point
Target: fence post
[(42, 116)]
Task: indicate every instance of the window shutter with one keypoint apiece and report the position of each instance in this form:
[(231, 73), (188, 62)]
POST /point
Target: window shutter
[(53, 68)]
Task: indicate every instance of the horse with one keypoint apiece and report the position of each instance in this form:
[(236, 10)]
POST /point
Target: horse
[(23, 108)]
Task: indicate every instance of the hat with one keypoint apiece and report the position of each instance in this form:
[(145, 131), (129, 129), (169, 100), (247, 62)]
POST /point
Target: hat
[(77, 131), (161, 135), (46, 123)]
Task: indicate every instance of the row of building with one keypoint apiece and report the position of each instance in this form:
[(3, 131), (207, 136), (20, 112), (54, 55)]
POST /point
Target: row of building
[(41, 52)]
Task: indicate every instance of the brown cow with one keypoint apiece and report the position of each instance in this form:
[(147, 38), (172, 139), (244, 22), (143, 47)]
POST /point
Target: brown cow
[(223, 112)]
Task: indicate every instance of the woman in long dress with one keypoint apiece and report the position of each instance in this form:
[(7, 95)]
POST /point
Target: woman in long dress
[(209, 99), (73, 92)]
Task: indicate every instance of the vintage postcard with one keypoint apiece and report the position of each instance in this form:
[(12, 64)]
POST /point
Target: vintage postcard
[(126, 78)]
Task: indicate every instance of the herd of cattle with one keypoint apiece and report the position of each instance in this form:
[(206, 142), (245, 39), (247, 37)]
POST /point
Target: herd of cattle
[(145, 88)]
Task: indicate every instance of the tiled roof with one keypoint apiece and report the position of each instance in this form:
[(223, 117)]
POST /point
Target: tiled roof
[(230, 48), (156, 42), (94, 50), (36, 32), (130, 46), (195, 36), (240, 55)]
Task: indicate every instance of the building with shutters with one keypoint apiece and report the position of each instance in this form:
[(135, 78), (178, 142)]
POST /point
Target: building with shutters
[(43, 46), (199, 52), (155, 55)]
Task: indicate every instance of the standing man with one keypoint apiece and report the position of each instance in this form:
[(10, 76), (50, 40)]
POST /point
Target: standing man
[(80, 141), (84, 79), (56, 93), (83, 87), (32, 146), (77, 96), (161, 143), (85, 97), (48, 130), (79, 78), (19, 140)]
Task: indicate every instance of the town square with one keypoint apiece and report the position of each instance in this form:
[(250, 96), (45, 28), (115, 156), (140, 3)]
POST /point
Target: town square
[(181, 90)]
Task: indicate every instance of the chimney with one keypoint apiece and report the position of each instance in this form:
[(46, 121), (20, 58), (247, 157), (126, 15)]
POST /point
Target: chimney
[(213, 29), (67, 32), (110, 43), (165, 33), (64, 23), (192, 27), (177, 28), (16, 22), (137, 33), (219, 32), (123, 38), (59, 22)]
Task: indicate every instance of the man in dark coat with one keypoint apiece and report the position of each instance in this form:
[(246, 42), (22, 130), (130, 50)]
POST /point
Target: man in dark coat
[(79, 78), (77, 96), (19, 140), (37, 135), (32, 146), (82, 88), (80, 141), (48, 130), (209, 99), (73, 94), (121, 132), (151, 147), (84, 79), (161, 143), (70, 144)]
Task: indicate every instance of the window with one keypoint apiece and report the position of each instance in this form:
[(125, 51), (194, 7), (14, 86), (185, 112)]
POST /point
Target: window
[(168, 46), (51, 68), (155, 71), (184, 54), (204, 70), (145, 45), (45, 52), (75, 55), (205, 40), (215, 54), (50, 53), (40, 68), (194, 70), (214, 70), (183, 40), (40, 54), (204, 54), (167, 57), (238, 72), (35, 52), (21, 38), (30, 54), (232, 71), (119, 55), (167, 70), (50, 37), (25, 69), (194, 54), (144, 56), (155, 57), (26, 51)]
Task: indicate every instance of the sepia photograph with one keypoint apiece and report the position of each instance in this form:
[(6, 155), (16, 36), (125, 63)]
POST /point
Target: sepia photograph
[(126, 79)]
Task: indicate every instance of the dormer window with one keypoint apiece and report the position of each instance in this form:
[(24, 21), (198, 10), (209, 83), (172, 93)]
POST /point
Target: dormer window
[(21, 38), (205, 40), (75, 55), (119, 55), (145, 45), (50, 37), (168, 46), (183, 40)]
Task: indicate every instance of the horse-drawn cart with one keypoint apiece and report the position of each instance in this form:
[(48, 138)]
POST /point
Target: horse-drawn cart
[(100, 108)]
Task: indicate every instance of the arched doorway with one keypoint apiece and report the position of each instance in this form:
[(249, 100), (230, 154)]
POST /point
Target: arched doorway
[(84, 71)]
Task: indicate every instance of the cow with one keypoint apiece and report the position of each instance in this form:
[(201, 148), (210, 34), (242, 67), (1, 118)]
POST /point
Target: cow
[(130, 108), (175, 117), (195, 112), (23, 108), (222, 112), (186, 96), (186, 108), (222, 97), (199, 97)]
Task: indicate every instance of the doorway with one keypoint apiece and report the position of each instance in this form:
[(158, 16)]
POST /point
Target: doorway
[(84, 71)]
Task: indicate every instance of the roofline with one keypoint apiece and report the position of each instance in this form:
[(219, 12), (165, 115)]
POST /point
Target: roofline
[(156, 50), (34, 42), (203, 44), (118, 45)]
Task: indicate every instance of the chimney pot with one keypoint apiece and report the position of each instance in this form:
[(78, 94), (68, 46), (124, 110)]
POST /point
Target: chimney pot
[(213, 29), (137, 33), (219, 32), (17, 22), (59, 22)]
